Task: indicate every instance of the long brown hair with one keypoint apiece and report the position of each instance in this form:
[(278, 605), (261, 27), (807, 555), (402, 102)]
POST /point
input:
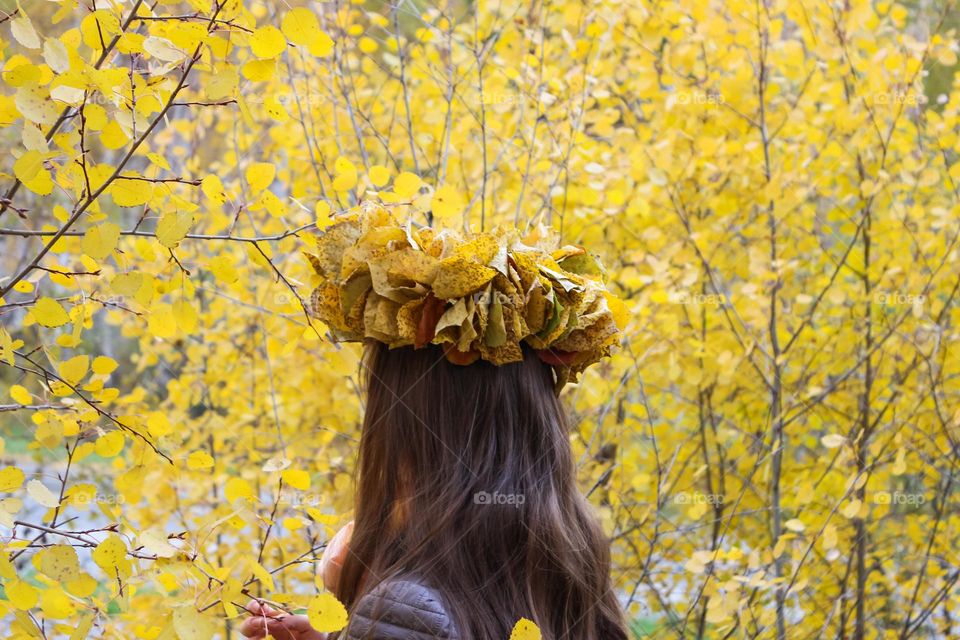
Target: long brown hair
[(466, 480)]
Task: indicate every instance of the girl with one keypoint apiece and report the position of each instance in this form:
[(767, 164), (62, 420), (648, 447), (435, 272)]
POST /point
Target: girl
[(468, 516)]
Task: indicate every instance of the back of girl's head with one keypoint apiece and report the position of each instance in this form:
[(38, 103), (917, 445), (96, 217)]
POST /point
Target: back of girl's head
[(466, 480)]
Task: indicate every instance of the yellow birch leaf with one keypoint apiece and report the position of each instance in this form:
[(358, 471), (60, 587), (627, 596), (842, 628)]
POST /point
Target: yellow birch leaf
[(525, 630), (131, 193), (199, 460), (213, 189), (267, 42), (99, 242), (21, 594), (74, 369), (11, 478), (407, 184), (321, 46), (24, 33), (110, 444), (326, 613), (103, 365), (28, 165), (50, 313), (173, 227), (20, 395), (42, 495), (59, 562), (237, 488), (110, 554), (447, 203), (296, 478), (259, 175), (190, 624), (379, 175), (55, 603), (300, 26)]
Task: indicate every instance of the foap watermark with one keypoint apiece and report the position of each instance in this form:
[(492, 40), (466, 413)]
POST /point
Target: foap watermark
[(497, 498), (709, 97), (698, 498), (303, 499), (892, 298), (80, 498), (685, 297), (899, 497), (905, 98)]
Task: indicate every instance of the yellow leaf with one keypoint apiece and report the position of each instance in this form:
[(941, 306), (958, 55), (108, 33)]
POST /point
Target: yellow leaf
[(110, 554), (131, 193), (237, 488), (21, 595), (173, 227), (98, 28), (100, 241), (74, 369), (110, 444), (223, 84), (55, 603), (158, 424), (259, 175), (158, 160), (28, 165), (102, 365), (346, 174), (199, 460), (163, 49), (82, 629), (447, 203), (213, 189), (321, 46), (296, 478), (162, 324), (49, 313), (34, 103), (190, 624), (11, 478), (379, 175), (829, 537), (322, 213), (326, 613), (155, 541), (42, 495), (113, 136), (525, 630), (24, 33), (20, 395), (795, 525), (59, 562), (407, 184), (264, 576), (300, 26), (224, 270), (185, 316), (832, 441), (267, 42), (345, 181)]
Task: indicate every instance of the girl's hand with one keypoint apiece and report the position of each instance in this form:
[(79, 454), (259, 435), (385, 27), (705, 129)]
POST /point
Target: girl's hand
[(333, 556), (265, 620)]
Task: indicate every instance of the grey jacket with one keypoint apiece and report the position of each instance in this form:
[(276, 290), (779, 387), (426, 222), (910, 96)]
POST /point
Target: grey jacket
[(400, 609)]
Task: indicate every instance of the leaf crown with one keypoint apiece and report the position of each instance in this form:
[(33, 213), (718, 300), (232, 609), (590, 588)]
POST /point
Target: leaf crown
[(479, 295)]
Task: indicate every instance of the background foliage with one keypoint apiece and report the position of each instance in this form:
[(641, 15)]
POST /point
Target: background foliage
[(774, 185)]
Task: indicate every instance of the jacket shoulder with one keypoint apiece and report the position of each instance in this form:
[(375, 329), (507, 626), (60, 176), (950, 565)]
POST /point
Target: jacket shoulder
[(402, 608)]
